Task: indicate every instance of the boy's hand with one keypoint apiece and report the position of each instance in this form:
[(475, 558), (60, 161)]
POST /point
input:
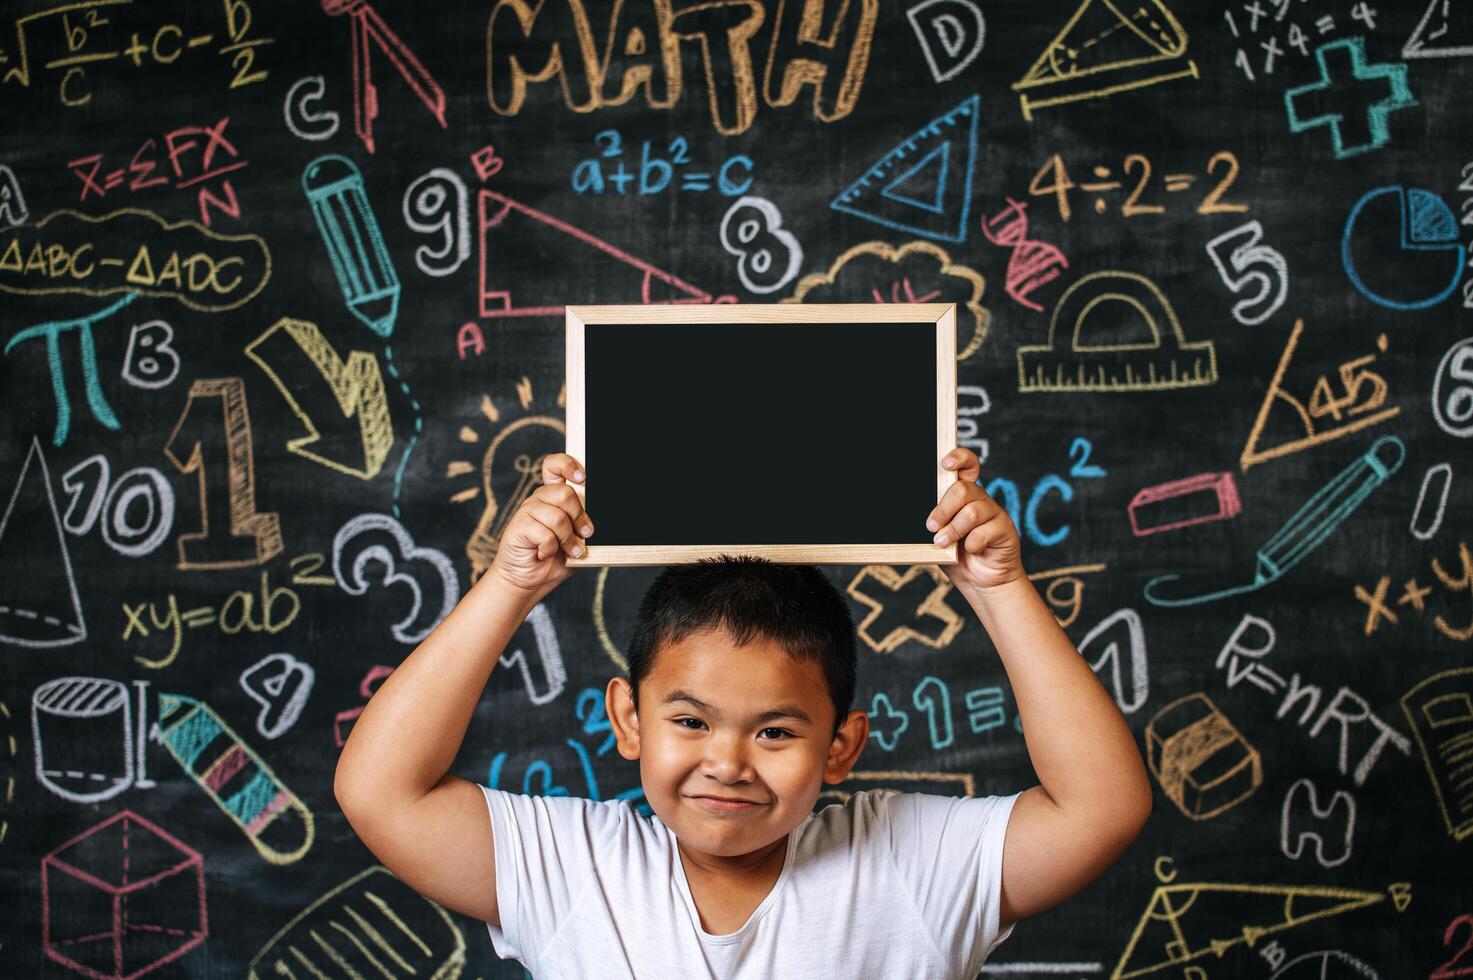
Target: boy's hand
[(549, 525), (990, 555)]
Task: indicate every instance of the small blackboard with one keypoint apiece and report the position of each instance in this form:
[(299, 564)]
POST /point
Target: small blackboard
[(798, 432)]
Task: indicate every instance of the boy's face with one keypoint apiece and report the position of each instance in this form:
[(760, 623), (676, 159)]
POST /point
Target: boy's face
[(734, 743)]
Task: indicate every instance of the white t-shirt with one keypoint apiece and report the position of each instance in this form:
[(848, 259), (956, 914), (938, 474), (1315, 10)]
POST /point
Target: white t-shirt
[(888, 884)]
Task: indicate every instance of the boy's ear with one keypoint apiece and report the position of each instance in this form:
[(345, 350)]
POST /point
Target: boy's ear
[(619, 704), (844, 751)]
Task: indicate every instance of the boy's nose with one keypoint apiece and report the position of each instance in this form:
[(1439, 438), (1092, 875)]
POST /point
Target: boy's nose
[(726, 760)]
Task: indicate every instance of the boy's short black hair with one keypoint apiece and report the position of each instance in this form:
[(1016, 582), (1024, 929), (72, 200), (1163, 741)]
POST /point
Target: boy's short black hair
[(793, 606)]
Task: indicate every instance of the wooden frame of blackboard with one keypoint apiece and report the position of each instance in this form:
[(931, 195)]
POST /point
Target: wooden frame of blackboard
[(940, 316)]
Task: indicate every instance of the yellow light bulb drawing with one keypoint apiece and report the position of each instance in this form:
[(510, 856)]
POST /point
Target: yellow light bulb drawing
[(510, 471)]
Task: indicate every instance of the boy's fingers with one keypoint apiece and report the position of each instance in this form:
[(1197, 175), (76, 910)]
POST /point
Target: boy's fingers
[(553, 518), (565, 516), (958, 455), (955, 497), (972, 515), (566, 499), (963, 462), (561, 468), (953, 529), (543, 538), (550, 540), (984, 534)]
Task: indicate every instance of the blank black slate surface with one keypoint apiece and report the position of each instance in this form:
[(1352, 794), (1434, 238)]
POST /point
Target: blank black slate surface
[(815, 433)]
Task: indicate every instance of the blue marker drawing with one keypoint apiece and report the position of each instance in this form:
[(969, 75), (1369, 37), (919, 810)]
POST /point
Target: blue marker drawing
[(985, 708), (1310, 525), (419, 425), (370, 285), (1316, 97), (52, 331), (590, 710), (939, 721), (881, 716), (1006, 493), (543, 768), (923, 185), (355, 246), (1426, 224)]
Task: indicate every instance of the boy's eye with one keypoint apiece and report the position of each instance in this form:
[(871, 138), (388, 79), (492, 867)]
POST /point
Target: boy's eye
[(782, 733)]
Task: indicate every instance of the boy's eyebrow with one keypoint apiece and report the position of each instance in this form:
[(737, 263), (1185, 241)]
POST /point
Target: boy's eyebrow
[(782, 711)]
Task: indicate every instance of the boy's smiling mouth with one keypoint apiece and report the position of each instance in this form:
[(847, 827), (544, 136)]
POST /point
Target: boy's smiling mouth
[(726, 803)]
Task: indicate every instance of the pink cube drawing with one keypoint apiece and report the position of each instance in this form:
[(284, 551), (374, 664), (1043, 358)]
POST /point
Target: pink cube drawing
[(122, 898)]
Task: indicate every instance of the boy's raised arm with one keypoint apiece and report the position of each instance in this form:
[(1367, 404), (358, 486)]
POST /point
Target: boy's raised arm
[(1094, 795), (429, 828)]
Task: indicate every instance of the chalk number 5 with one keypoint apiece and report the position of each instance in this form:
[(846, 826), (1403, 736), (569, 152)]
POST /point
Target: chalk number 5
[(1249, 267)]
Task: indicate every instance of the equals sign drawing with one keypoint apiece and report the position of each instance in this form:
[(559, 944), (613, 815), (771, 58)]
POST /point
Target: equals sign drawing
[(202, 616)]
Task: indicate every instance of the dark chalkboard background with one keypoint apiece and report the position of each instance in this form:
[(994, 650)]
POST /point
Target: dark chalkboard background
[(895, 186)]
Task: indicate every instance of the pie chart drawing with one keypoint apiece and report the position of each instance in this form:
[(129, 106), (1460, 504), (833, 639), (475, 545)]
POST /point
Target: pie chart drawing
[(1413, 267), (1327, 964)]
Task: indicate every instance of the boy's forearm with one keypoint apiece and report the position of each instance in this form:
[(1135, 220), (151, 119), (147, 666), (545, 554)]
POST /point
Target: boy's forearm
[(1077, 739), (405, 740)]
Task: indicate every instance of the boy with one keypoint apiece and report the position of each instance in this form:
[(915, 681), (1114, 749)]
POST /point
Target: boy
[(736, 876)]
